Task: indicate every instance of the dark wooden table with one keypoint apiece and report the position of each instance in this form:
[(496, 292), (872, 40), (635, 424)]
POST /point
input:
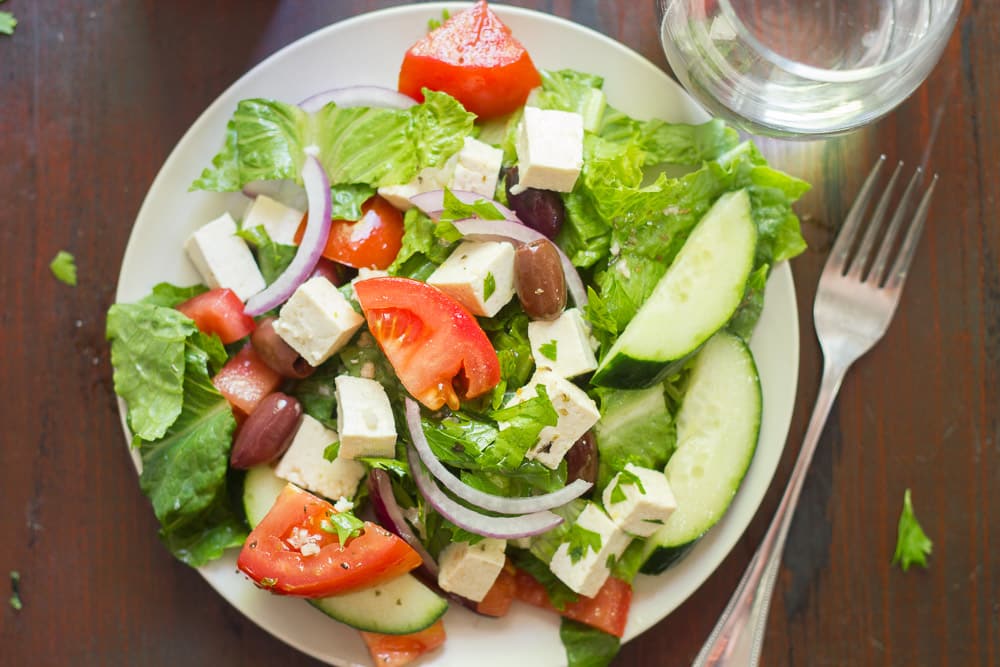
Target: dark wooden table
[(93, 96)]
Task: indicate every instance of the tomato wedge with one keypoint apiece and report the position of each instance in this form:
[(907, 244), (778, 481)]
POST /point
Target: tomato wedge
[(371, 242), (272, 555), (219, 311), (436, 347), (245, 380), (399, 650), (474, 58), (500, 596), (607, 611)]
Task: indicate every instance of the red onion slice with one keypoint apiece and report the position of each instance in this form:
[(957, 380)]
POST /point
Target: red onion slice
[(476, 229), (432, 203), (390, 516), (487, 501), (500, 527), (311, 247), (358, 96)]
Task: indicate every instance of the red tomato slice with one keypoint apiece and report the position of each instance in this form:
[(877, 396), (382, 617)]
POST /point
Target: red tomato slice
[(607, 611), (500, 596), (219, 311), (474, 58), (436, 346), (245, 380), (272, 558), (399, 650), (371, 242)]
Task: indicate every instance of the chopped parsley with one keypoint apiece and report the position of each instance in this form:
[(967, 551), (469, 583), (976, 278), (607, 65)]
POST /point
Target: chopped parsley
[(399, 468), (344, 524), (456, 209), (625, 477), (15, 591), (434, 24), (912, 544), (580, 540), (331, 451), (63, 265), (489, 286), (7, 25), (549, 350)]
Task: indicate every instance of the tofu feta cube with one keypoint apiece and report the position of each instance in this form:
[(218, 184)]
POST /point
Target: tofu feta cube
[(303, 464), (224, 259), (477, 168), (279, 221), (479, 275), (364, 418), (470, 569), (429, 178), (642, 502), (577, 413), (563, 344), (317, 320), (586, 572), (549, 150)]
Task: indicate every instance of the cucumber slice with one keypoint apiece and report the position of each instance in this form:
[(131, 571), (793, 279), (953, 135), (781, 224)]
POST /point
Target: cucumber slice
[(717, 428), (695, 298), (397, 607)]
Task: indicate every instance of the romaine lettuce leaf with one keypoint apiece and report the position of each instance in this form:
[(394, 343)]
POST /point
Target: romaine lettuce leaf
[(147, 353), (424, 247), (272, 258), (268, 140), (171, 296), (586, 646), (185, 472)]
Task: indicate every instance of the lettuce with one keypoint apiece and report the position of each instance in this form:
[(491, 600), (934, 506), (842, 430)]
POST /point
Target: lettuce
[(268, 140)]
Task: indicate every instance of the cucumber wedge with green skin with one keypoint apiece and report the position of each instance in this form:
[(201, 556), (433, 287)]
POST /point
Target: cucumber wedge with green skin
[(396, 607), (695, 298), (717, 428)]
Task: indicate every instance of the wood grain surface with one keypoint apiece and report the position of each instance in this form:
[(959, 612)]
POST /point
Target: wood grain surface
[(93, 96)]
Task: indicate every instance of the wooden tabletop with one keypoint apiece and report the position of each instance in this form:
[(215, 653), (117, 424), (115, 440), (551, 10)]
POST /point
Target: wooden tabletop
[(93, 96)]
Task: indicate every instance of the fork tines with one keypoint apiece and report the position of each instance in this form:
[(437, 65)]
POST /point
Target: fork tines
[(857, 267)]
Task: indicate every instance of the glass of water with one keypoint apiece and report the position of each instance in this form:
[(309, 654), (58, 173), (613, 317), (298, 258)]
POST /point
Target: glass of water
[(804, 68)]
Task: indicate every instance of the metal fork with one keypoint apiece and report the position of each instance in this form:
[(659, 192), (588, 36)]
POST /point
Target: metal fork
[(855, 302)]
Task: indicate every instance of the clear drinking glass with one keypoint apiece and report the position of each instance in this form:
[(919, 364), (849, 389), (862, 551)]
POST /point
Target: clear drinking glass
[(804, 67)]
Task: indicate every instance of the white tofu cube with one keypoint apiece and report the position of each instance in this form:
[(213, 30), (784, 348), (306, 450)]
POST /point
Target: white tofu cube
[(303, 464), (364, 418), (224, 259), (429, 178), (279, 221), (563, 344), (549, 150), (479, 275), (317, 320), (589, 571), (646, 505), (477, 168), (576, 411), (469, 570)]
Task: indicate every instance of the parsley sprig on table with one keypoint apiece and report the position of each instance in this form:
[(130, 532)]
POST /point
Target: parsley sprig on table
[(912, 544)]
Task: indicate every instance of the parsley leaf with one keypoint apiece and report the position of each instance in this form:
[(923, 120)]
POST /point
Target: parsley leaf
[(63, 265), (580, 540), (7, 25), (912, 544), (456, 209), (520, 425), (549, 350), (398, 468), (489, 286), (15, 590), (331, 451), (344, 524), (625, 477), (434, 24)]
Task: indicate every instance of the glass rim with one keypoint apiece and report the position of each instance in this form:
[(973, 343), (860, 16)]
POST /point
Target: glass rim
[(936, 31)]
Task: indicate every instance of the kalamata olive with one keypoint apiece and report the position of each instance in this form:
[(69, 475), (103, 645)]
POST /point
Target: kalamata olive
[(539, 280), (336, 273), (276, 353), (267, 432), (581, 459), (542, 210)]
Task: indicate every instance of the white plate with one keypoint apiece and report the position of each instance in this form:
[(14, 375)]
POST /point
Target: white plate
[(356, 52)]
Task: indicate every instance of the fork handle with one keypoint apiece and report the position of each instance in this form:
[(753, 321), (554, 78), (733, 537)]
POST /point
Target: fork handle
[(738, 636)]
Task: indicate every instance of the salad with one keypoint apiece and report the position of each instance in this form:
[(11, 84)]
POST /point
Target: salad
[(469, 343)]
